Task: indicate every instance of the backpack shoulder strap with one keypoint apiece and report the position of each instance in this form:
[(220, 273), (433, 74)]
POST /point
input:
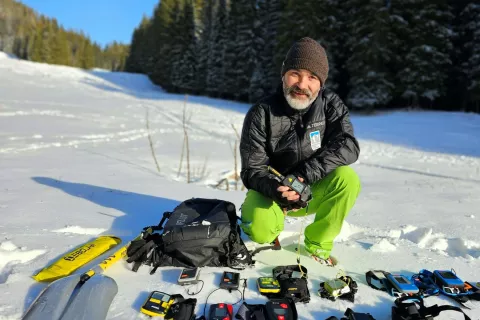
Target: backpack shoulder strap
[(435, 310), (409, 308), (166, 215)]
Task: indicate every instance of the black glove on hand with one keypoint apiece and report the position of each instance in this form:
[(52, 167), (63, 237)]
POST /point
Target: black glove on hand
[(284, 203), (295, 205)]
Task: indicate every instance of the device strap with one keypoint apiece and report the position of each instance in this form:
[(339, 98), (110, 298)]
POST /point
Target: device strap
[(275, 246), (415, 309), (250, 312), (374, 282)]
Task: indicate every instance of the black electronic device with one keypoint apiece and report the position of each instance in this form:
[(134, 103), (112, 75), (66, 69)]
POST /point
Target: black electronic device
[(220, 311), (280, 309), (296, 185), (157, 304), (351, 315), (230, 280), (188, 276)]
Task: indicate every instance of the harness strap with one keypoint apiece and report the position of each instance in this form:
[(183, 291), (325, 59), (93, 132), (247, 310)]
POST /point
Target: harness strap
[(250, 312), (416, 309), (275, 246)]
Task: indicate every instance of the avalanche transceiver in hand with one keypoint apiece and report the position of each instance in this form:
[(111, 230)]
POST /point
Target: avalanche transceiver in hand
[(188, 276), (293, 183), (230, 280), (221, 311), (157, 304)]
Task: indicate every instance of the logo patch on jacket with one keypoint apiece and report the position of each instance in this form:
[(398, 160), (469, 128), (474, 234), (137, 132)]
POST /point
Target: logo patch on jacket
[(315, 140), (315, 124)]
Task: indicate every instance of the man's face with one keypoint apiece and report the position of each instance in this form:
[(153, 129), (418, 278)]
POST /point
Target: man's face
[(300, 87)]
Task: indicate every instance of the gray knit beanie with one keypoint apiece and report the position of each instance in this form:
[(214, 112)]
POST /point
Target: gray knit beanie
[(307, 54)]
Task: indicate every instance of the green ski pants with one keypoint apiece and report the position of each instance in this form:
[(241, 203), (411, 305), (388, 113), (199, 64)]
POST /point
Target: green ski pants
[(332, 199)]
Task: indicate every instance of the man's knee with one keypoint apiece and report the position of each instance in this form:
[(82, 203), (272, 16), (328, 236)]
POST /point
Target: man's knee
[(262, 227), (261, 235), (262, 220), (346, 178)]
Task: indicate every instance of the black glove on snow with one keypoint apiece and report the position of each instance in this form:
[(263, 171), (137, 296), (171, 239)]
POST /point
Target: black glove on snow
[(182, 310), (145, 251)]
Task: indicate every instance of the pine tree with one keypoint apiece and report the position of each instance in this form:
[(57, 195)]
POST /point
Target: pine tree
[(216, 70), (43, 42), (37, 45), (186, 68), (422, 77), (370, 81), (266, 75), (470, 31), (60, 49), (457, 96), (136, 56), (48, 40), (297, 21), (87, 60), (240, 55), (163, 33), (178, 46), (332, 33), (205, 44)]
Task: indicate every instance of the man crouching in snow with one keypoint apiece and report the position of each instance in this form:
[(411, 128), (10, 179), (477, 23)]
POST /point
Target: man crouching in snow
[(305, 130)]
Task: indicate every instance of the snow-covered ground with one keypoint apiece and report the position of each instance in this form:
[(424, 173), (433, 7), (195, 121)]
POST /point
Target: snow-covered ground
[(75, 162)]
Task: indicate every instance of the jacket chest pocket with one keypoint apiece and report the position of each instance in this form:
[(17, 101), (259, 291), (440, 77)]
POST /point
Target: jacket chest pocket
[(313, 138)]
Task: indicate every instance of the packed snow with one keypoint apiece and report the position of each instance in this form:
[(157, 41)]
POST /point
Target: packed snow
[(76, 162)]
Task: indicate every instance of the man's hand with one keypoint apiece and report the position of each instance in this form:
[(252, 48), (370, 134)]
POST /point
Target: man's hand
[(289, 194)]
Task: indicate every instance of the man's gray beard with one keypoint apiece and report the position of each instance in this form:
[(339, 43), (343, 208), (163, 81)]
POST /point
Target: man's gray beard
[(298, 104)]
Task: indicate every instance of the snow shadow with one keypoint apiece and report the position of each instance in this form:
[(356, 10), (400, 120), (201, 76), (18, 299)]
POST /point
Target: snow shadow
[(432, 131), (140, 300), (140, 210), (140, 86), (428, 174)]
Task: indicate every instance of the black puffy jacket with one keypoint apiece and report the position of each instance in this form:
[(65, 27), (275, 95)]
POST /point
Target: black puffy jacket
[(276, 135)]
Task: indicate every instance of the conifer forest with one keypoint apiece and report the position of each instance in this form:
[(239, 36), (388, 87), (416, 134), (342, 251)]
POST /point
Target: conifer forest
[(383, 54)]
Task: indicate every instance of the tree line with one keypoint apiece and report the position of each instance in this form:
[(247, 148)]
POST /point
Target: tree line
[(34, 37), (382, 53)]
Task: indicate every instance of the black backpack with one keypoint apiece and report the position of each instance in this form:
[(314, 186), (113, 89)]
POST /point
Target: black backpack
[(197, 233)]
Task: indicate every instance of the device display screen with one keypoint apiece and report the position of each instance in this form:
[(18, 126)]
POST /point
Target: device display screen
[(268, 283), (189, 273), (220, 312), (280, 311), (161, 296), (298, 186), (401, 280), (448, 275)]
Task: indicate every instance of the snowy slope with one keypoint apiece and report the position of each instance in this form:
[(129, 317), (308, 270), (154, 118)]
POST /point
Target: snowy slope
[(75, 162)]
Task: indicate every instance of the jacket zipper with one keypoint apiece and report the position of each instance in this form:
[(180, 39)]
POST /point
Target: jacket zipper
[(299, 140)]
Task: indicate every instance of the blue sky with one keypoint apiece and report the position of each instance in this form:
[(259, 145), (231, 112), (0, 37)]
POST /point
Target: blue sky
[(102, 20)]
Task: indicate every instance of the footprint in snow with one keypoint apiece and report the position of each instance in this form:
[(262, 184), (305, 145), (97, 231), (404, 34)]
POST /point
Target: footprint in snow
[(11, 255)]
